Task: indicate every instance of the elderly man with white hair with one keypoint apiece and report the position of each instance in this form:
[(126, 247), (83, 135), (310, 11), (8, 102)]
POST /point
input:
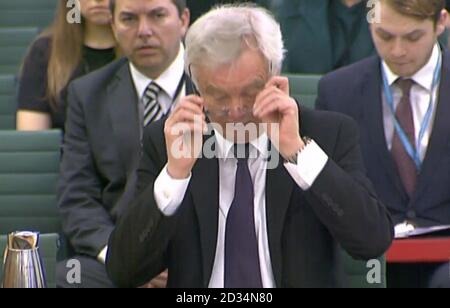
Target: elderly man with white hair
[(240, 186)]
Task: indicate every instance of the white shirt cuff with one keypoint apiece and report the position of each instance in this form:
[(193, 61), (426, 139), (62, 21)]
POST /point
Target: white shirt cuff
[(310, 163), (169, 193), (102, 255)]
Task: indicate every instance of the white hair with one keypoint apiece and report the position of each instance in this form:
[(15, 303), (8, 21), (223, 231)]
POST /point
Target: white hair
[(220, 36)]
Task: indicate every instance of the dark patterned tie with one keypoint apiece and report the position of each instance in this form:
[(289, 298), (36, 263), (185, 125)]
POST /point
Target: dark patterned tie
[(405, 164), (152, 108), (242, 268)]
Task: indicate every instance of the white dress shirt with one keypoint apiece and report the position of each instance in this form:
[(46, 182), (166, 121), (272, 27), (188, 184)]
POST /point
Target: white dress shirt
[(168, 82), (419, 97), (169, 194)]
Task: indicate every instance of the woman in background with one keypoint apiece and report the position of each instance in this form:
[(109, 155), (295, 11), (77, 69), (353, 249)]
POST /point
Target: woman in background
[(60, 54)]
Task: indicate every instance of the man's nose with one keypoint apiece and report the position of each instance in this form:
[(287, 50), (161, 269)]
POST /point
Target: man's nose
[(398, 49), (145, 28), (238, 111)]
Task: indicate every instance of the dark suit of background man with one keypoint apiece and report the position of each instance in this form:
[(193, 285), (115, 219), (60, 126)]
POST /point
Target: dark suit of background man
[(199, 7), (415, 191), (222, 222), (322, 36), (107, 112)]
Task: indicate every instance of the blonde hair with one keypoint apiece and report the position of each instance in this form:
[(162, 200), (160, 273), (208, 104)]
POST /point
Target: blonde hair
[(66, 52)]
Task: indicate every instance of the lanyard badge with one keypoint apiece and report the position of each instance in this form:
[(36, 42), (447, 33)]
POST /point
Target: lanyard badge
[(413, 150)]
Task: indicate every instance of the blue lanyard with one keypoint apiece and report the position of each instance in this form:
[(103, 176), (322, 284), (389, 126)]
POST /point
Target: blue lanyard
[(414, 153)]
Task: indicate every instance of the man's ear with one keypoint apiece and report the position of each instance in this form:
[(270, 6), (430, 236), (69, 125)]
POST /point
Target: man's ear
[(371, 29), (114, 28), (447, 21), (443, 22), (185, 21)]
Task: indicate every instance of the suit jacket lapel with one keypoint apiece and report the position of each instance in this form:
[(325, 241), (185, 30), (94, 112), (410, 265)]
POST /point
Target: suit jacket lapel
[(279, 187), (440, 137), (190, 87), (123, 109), (205, 194), (372, 101)]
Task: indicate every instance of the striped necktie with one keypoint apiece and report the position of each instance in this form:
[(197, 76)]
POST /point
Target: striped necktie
[(152, 109)]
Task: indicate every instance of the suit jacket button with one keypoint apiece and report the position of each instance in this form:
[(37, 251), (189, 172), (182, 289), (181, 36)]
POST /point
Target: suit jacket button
[(411, 214)]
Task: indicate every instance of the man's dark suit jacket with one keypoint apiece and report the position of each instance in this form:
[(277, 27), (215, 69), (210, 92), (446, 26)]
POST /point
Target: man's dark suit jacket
[(309, 30), (102, 148), (304, 228), (356, 91)]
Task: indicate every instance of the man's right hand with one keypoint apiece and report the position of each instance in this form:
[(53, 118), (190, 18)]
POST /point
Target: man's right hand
[(184, 131)]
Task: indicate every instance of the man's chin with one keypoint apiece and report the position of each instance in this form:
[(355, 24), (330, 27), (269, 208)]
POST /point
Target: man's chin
[(403, 70), (150, 56), (148, 64)]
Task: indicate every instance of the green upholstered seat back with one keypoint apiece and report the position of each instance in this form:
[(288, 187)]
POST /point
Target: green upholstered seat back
[(359, 274), (29, 167), (14, 44), (304, 88), (7, 102), (27, 13)]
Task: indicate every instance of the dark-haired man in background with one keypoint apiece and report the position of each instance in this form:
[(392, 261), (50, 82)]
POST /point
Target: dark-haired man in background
[(107, 111)]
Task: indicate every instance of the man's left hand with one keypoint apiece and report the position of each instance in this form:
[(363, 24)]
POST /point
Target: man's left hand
[(274, 107), (159, 282)]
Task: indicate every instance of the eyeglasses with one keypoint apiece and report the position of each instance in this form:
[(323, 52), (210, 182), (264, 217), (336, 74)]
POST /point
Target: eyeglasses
[(245, 111), (225, 112)]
